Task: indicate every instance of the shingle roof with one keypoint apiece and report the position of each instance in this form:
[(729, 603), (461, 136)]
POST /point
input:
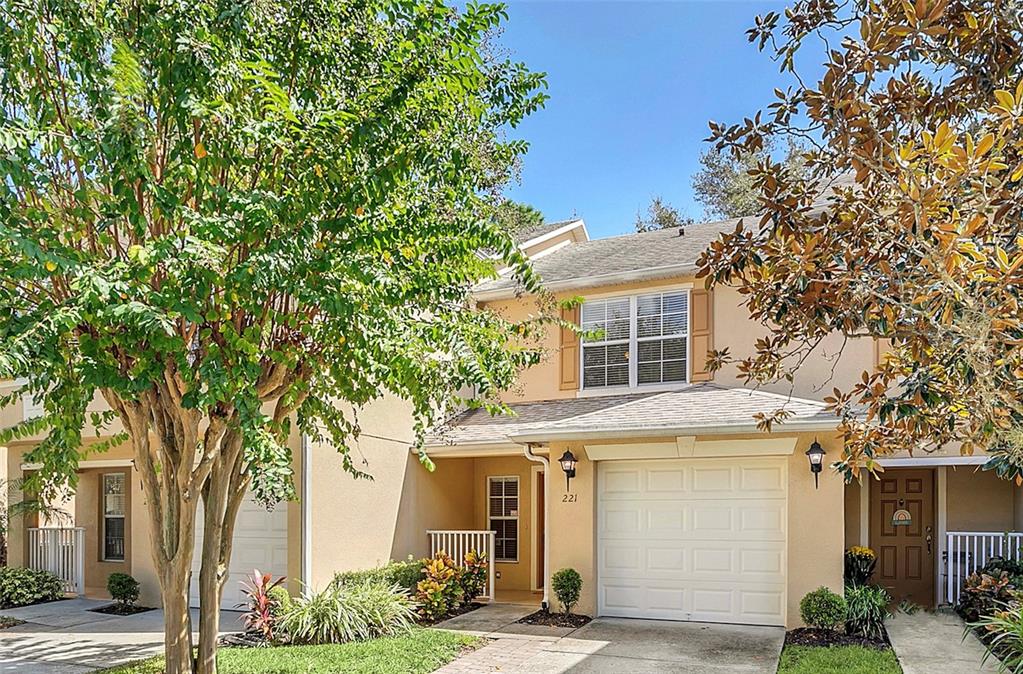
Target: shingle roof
[(656, 254), (479, 427), (701, 406), (617, 254)]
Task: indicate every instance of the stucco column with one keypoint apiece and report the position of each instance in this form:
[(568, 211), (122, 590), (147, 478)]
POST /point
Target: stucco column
[(573, 524)]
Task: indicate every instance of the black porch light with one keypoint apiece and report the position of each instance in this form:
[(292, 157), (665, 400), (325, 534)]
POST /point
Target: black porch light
[(568, 463), (816, 455)]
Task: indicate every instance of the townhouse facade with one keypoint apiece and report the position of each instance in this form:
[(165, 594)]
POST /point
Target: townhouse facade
[(625, 458)]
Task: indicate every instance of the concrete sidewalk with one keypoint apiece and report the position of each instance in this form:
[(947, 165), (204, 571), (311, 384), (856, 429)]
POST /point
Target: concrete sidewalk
[(67, 637), (933, 643), (614, 645)]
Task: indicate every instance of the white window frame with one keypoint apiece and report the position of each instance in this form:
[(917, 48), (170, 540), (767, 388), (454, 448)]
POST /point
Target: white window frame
[(123, 516), (634, 341), (515, 517)]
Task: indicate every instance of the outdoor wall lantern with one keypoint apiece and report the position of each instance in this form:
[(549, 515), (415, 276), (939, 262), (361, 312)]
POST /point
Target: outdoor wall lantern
[(568, 463), (816, 456)]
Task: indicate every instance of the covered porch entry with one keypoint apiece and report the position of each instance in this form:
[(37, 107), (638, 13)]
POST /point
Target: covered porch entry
[(933, 521), (492, 504)]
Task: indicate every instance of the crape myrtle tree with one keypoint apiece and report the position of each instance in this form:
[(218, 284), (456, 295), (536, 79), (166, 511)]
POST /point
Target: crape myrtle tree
[(236, 220), (919, 111)]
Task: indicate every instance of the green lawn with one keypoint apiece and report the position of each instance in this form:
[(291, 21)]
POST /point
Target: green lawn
[(421, 651), (837, 660)]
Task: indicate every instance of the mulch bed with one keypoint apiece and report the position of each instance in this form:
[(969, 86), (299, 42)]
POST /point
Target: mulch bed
[(243, 640), (549, 619), (455, 612), (7, 621), (118, 609), (809, 636)]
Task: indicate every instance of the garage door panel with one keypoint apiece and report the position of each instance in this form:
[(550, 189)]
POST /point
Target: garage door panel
[(621, 481), (766, 518), (622, 520), (260, 542), (695, 539), (665, 480), (620, 559), (665, 519)]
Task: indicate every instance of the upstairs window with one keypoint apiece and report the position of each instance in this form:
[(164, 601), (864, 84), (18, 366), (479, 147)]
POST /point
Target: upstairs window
[(642, 340)]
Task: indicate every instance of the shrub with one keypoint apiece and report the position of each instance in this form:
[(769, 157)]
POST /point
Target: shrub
[(1002, 634), (822, 609), (280, 603), (859, 565), (439, 591), (20, 587), (405, 574), (866, 611), (346, 612), (983, 594), (472, 577), (123, 588), (259, 615), (567, 585), (998, 565)]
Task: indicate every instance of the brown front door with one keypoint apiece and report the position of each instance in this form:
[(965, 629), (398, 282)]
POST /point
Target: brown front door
[(541, 493), (902, 533)]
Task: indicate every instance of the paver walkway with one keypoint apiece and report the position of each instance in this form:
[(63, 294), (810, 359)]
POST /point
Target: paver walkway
[(933, 643), (66, 637), (614, 645)]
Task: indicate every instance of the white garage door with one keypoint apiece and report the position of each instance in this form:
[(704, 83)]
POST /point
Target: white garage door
[(692, 539), (260, 542)]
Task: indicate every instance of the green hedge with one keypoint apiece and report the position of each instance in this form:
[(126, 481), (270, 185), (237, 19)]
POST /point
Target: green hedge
[(404, 574), (21, 587)]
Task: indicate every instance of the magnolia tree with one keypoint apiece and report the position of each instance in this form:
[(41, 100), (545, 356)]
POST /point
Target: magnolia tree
[(237, 220), (918, 244)]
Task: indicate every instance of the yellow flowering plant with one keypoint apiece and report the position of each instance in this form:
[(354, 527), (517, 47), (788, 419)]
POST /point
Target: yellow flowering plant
[(859, 565)]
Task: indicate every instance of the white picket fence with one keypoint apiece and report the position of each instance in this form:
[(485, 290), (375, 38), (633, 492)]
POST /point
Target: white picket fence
[(61, 551), (967, 551), (457, 543)]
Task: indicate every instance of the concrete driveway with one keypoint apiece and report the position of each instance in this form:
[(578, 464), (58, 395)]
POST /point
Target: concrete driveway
[(618, 645), (67, 637)]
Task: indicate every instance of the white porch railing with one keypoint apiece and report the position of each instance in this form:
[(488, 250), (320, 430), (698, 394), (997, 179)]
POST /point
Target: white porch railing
[(967, 551), (61, 552), (458, 543)]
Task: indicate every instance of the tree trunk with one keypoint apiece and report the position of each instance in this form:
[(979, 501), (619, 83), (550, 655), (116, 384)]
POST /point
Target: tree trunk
[(211, 592), (177, 621), (222, 497), (212, 575)]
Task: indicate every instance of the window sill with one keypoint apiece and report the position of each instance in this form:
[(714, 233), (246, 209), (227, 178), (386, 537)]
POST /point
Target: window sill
[(629, 390)]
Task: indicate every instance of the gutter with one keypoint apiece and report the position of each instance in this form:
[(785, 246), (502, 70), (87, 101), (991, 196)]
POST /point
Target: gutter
[(307, 513), (527, 449)]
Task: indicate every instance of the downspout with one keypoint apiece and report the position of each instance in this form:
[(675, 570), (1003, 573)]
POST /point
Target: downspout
[(307, 513), (527, 449)]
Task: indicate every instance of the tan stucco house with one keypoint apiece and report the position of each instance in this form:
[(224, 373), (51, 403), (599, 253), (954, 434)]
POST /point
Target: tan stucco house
[(679, 507)]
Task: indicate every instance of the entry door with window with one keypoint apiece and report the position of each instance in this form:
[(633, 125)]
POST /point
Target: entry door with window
[(114, 504), (902, 534)]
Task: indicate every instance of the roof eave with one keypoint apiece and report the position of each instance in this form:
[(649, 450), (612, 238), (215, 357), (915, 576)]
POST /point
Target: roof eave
[(455, 449), (594, 281), (567, 227), (795, 426)]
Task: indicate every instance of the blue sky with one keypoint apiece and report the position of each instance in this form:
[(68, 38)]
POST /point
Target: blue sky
[(632, 86)]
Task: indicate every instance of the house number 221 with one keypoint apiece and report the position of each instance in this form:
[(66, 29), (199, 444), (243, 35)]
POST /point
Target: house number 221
[(570, 498)]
